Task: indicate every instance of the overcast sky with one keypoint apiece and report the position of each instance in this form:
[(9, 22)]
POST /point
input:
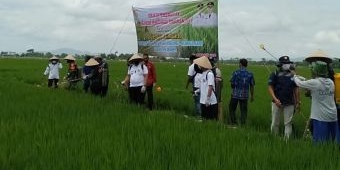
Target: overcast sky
[(285, 27)]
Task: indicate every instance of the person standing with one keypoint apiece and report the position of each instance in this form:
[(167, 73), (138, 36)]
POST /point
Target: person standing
[(242, 81), (52, 70), (94, 76), (208, 98), (151, 80), (194, 77), (103, 75), (72, 74), (137, 79), (285, 96), (86, 71), (323, 108)]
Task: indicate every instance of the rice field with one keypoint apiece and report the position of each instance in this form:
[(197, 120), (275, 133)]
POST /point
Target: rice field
[(42, 128)]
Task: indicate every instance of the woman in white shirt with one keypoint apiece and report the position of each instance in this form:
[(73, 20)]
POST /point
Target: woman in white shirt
[(52, 70), (137, 79), (207, 89), (323, 108)]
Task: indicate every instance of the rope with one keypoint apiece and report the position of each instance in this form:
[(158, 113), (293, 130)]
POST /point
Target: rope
[(119, 33)]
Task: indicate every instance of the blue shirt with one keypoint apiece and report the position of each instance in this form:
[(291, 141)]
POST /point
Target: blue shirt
[(283, 85), (241, 81)]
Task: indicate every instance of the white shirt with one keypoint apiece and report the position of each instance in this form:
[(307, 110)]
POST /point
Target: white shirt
[(53, 70), (198, 20), (322, 92), (197, 78), (207, 79), (137, 74), (210, 20)]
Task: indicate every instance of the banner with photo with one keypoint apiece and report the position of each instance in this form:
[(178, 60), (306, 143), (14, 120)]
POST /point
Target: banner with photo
[(178, 29)]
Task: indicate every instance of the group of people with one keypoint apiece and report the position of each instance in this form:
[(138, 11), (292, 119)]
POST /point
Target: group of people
[(283, 85), (284, 89), (95, 74)]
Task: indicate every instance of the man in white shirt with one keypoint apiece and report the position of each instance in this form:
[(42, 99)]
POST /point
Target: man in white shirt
[(137, 79), (194, 78)]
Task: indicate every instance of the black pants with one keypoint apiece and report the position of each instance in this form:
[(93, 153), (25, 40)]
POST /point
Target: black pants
[(232, 110), (149, 92), (53, 81), (103, 91), (86, 85), (209, 112), (135, 95)]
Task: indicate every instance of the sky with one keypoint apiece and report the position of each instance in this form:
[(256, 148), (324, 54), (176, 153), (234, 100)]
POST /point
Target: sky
[(286, 27)]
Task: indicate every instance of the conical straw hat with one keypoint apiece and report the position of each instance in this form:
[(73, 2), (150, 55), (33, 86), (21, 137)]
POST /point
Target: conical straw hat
[(69, 57), (91, 62), (136, 56), (318, 55), (203, 62), (54, 58)]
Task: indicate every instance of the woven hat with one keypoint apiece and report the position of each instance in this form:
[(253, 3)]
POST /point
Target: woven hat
[(319, 68), (91, 62), (136, 56), (54, 58), (318, 55), (203, 62), (70, 57)]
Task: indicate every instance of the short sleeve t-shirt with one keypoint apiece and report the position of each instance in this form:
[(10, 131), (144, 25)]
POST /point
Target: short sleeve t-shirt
[(137, 74)]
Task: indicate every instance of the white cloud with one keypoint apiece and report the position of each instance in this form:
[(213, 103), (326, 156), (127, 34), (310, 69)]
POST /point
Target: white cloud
[(285, 26)]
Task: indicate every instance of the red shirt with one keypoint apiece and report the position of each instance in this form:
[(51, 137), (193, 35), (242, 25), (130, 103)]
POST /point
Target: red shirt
[(151, 73)]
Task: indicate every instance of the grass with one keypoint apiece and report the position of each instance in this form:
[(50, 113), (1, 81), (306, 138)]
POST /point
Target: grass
[(43, 128)]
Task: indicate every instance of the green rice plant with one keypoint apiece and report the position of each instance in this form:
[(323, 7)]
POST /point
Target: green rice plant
[(42, 128)]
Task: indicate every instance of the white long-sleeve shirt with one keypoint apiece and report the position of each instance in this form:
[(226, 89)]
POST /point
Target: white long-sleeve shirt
[(53, 70), (322, 92)]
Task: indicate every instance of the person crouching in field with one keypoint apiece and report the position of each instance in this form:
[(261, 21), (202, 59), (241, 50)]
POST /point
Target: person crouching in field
[(285, 96), (52, 70), (323, 108), (208, 98), (137, 79)]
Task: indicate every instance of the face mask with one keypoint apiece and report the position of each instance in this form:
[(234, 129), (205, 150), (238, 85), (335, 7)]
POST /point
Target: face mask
[(54, 62), (198, 69), (285, 67), (136, 62)]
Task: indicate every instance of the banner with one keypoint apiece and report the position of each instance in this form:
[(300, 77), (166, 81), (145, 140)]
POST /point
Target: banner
[(178, 29)]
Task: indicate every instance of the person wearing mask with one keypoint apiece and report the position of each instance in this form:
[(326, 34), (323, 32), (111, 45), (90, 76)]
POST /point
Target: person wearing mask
[(72, 75), (103, 75), (137, 79), (285, 96), (194, 77), (208, 98), (52, 70), (323, 108), (151, 80), (86, 71)]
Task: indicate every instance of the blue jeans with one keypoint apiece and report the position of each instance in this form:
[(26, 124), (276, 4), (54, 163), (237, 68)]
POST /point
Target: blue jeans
[(325, 131), (198, 109)]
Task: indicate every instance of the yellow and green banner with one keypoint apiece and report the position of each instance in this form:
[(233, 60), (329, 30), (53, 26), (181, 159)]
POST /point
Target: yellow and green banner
[(178, 29)]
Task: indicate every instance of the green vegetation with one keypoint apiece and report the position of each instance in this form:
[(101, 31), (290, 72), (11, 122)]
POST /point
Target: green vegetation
[(43, 128)]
